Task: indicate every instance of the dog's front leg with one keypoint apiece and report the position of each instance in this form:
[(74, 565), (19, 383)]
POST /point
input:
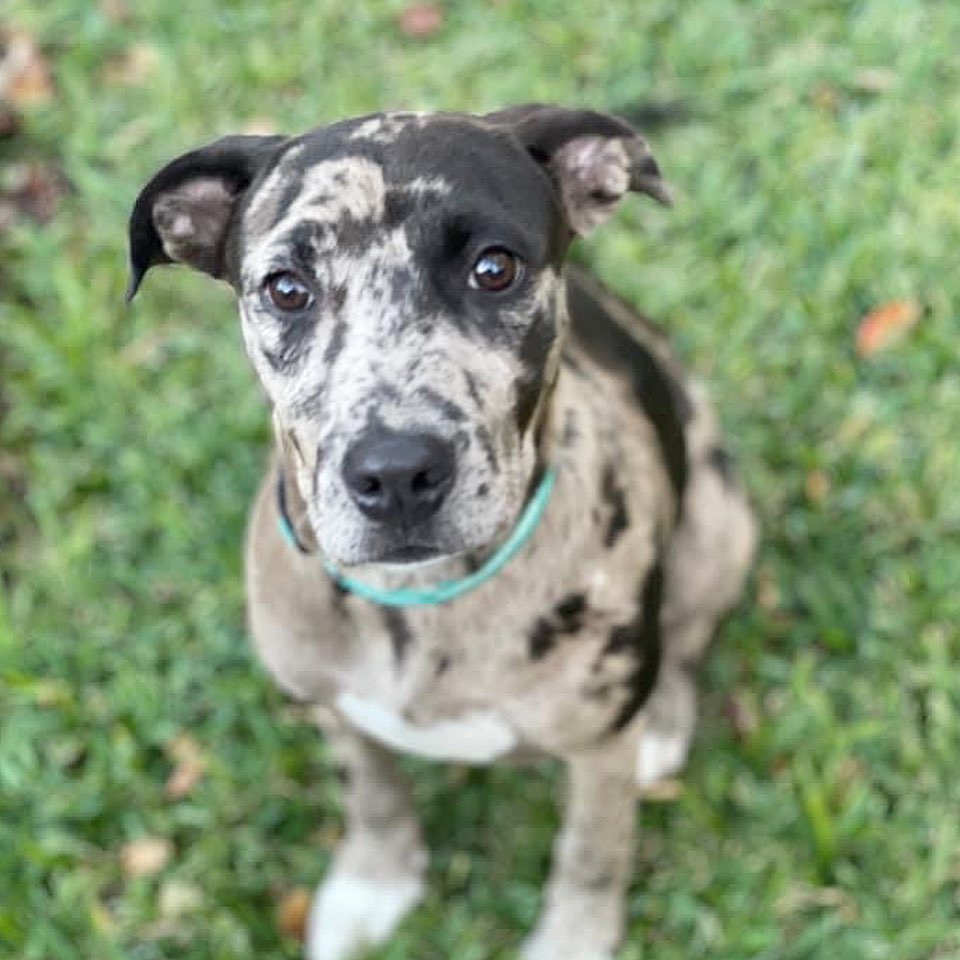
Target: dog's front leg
[(583, 915), (377, 873)]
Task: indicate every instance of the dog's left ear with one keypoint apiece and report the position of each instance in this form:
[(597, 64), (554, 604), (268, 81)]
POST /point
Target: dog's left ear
[(183, 214), (593, 158)]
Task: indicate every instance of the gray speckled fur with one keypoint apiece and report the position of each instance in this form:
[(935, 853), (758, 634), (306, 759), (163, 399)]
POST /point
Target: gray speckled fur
[(372, 353)]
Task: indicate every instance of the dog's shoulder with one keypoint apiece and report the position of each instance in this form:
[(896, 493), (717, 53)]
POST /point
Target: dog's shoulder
[(620, 340)]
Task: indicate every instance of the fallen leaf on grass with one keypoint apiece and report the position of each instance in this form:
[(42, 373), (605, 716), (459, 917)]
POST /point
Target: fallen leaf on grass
[(102, 918), (190, 766), (292, 912), (9, 121), (260, 126), (742, 715), (885, 325), (25, 77), (801, 897), (421, 20), (817, 486), (30, 190), (116, 11), (176, 899), (145, 856), (768, 593), (663, 791), (875, 80), (134, 67), (825, 97)]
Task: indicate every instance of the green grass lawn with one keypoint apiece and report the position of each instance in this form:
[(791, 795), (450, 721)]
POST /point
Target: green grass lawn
[(817, 162)]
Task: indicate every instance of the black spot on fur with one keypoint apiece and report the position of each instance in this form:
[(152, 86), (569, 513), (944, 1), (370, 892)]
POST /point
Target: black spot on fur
[(662, 398), (570, 433), (312, 404), (565, 619), (640, 638), (533, 353), (570, 610), (341, 775), (722, 462), (615, 498), (335, 343), (486, 444), (338, 296), (443, 405), (541, 639), (399, 631), (472, 389), (482, 490), (398, 204), (443, 665), (404, 283), (296, 335)]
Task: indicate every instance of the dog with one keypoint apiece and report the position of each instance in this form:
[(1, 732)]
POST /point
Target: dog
[(500, 520)]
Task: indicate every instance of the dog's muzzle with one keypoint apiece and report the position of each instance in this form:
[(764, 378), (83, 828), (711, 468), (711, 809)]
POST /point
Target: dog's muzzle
[(399, 479)]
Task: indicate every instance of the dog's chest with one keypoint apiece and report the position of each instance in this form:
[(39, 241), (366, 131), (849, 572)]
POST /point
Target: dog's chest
[(476, 736), (427, 685)]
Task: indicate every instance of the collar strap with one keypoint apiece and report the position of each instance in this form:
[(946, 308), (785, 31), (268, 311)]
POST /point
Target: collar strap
[(287, 529), (446, 590)]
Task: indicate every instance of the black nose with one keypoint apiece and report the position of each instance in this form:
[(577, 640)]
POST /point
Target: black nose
[(399, 477)]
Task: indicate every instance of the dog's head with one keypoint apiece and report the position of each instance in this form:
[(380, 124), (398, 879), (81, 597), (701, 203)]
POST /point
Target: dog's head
[(401, 296)]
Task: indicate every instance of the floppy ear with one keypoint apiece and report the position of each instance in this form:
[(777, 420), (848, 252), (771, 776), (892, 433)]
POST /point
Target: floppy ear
[(183, 213), (593, 158)]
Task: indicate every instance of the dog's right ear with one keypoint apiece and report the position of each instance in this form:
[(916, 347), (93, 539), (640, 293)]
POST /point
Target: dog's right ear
[(594, 159), (182, 215)]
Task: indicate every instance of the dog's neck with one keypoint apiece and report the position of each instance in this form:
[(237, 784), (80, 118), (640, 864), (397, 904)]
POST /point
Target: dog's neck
[(298, 531)]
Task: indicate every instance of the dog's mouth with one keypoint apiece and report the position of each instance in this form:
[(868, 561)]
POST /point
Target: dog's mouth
[(406, 553), (409, 553)]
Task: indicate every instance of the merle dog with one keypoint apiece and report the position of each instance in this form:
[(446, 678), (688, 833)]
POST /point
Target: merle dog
[(500, 519)]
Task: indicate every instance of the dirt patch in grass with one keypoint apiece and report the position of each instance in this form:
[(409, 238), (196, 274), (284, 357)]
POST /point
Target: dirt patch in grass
[(31, 188)]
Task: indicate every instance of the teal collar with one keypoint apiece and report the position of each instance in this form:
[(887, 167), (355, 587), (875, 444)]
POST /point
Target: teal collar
[(446, 590)]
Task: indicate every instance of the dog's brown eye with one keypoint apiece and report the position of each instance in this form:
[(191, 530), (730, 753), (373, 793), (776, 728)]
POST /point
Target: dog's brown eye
[(495, 270), (287, 292)]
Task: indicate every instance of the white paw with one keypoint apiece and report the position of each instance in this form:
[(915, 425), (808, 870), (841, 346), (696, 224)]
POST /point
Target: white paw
[(351, 914), (659, 756), (539, 947)]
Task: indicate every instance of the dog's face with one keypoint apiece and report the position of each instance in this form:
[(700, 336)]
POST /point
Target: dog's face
[(401, 297)]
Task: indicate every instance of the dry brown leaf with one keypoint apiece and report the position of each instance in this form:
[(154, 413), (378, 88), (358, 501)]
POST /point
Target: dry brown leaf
[(663, 791), (177, 898), (134, 67), (817, 486), (768, 593), (25, 77), (741, 714), (826, 98), (145, 856), (421, 20), (30, 190), (101, 917), (875, 80), (116, 11), (292, 912), (800, 897), (260, 126), (190, 766), (885, 325), (9, 121)]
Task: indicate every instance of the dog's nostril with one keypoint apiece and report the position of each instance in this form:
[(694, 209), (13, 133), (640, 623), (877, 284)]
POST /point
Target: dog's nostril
[(399, 477), (421, 482), (368, 485)]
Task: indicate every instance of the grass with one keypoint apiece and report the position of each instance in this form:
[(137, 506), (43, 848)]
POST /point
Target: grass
[(816, 161)]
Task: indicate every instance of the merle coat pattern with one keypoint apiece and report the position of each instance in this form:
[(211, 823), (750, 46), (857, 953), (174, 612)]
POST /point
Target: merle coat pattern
[(403, 297)]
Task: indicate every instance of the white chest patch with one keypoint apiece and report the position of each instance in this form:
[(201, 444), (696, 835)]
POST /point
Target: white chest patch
[(477, 737)]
